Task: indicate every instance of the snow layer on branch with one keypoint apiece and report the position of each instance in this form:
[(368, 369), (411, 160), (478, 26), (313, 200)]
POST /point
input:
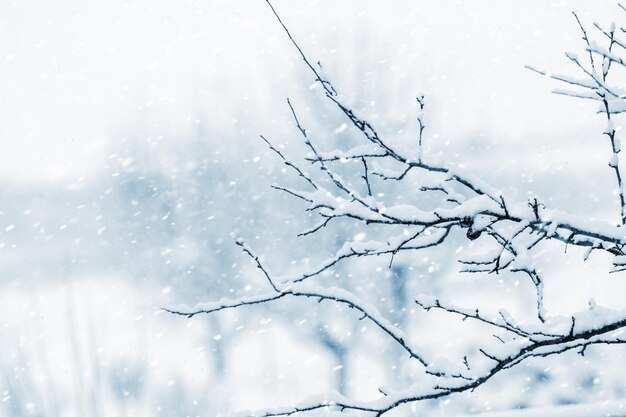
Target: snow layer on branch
[(597, 49), (442, 365), (597, 317), (615, 106), (594, 318), (469, 209), (619, 260), (367, 149), (557, 219), (388, 173), (578, 94), (600, 228), (222, 304), (481, 222), (371, 309), (312, 402), (466, 177)]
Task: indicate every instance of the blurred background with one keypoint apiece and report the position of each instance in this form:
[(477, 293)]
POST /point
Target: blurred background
[(130, 161)]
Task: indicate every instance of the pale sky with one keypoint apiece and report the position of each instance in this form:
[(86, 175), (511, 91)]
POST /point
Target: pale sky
[(75, 72)]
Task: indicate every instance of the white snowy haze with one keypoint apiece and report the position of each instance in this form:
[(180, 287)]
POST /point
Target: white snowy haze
[(130, 162)]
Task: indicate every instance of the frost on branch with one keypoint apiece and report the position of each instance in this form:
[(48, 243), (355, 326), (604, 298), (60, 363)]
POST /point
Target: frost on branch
[(511, 233)]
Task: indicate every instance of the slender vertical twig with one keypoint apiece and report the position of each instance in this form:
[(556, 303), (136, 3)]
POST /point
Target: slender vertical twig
[(586, 39), (421, 125), (610, 131)]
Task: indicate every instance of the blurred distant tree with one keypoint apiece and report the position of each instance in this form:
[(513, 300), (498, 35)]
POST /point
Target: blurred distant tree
[(436, 204)]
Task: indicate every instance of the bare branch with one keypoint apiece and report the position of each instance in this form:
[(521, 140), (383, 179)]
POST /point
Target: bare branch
[(586, 39), (512, 233), (251, 254)]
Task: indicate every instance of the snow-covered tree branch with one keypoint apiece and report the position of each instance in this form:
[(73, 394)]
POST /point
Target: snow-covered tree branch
[(349, 185)]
